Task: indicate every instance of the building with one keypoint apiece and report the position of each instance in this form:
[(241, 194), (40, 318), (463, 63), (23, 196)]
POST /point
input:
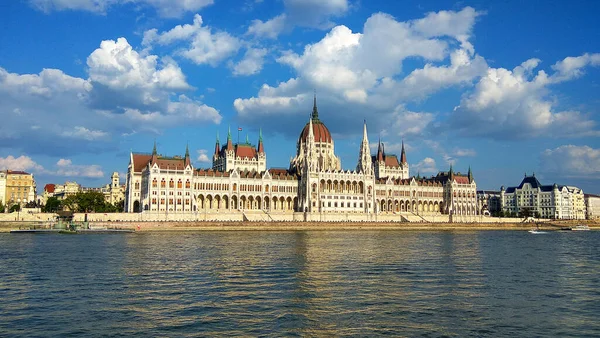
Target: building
[(489, 202), (592, 206), (19, 187), (2, 187), (62, 191), (546, 201), (314, 187)]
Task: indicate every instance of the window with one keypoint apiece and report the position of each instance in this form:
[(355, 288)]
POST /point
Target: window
[(179, 184), (137, 185), (171, 184), (163, 184), (187, 184), (154, 183)]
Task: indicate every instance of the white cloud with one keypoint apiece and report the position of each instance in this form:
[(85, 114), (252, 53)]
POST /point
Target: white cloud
[(54, 108), (267, 29), (516, 104), (360, 73), (571, 161), (408, 123), (252, 62), (65, 167), (203, 156), (205, 47), (572, 67), (166, 8), (80, 132), (427, 165), (21, 163), (302, 13)]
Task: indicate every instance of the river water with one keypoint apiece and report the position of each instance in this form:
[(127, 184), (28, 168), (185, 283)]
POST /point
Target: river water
[(301, 283)]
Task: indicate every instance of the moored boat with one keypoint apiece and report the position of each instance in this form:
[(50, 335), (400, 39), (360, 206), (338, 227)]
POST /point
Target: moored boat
[(580, 227)]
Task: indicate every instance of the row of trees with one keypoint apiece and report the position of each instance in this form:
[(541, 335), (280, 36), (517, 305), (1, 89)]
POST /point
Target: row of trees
[(88, 201)]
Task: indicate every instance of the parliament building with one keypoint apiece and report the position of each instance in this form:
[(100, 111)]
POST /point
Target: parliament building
[(314, 187)]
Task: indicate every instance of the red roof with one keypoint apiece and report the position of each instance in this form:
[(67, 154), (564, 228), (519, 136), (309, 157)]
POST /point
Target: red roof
[(171, 163), (320, 132), (49, 187), (244, 150), (461, 179), (140, 161), (391, 161), (17, 172)]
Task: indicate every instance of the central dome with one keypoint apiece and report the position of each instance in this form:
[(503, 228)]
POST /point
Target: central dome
[(320, 131)]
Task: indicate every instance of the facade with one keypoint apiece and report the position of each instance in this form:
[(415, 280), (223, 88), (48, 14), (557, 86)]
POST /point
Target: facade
[(19, 187), (489, 202), (61, 191), (546, 201), (2, 187), (113, 192), (314, 183), (592, 206)]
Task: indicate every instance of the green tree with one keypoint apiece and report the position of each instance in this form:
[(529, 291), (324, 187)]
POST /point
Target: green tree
[(52, 205), (1, 207), (15, 207)]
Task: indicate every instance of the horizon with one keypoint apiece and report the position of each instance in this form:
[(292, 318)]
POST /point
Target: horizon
[(503, 88)]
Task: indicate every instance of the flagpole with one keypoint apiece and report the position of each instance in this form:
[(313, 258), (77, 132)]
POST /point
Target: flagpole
[(238, 136)]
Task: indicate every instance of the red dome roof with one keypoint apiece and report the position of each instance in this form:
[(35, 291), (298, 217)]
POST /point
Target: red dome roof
[(320, 131)]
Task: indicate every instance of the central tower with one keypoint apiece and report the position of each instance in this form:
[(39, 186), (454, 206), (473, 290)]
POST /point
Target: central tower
[(322, 150)]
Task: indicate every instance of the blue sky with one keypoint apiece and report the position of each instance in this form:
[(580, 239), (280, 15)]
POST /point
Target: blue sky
[(504, 87)]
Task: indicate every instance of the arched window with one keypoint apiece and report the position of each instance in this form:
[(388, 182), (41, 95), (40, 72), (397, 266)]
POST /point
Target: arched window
[(163, 183), (187, 184), (154, 183), (235, 187), (137, 185), (179, 184), (171, 185)]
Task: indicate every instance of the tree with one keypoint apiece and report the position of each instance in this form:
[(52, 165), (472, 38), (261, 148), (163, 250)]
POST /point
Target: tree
[(53, 204), (1, 207), (15, 207), (31, 204)]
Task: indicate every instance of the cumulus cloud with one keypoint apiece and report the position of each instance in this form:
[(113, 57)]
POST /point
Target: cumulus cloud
[(165, 8), (571, 161), (55, 108), (204, 45), (203, 156), (358, 73), (252, 62), (301, 13), (426, 166), (517, 104), (21, 163), (65, 167)]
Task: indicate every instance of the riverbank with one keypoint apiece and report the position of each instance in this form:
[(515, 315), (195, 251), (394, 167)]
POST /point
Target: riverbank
[(307, 226)]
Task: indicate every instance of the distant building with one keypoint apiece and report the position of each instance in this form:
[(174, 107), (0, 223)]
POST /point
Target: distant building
[(19, 187), (489, 202), (547, 201), (2, 187), (62, 191), (592, 205)]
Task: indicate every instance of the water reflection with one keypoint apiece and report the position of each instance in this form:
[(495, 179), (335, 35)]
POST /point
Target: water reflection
[(362, 283)]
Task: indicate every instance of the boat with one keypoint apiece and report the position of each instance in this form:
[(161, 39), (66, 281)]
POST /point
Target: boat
[(537, 231), (580, 227)]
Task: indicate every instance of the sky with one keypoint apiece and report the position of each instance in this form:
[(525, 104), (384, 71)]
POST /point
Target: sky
[(505, 87)]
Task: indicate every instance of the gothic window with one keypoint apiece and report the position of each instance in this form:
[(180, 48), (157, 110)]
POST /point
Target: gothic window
[(187, 184), (171, 184), (137, 185), (267, 188), (163, 183), (179, 201), (179, 184), (235, 187), (154, 183)]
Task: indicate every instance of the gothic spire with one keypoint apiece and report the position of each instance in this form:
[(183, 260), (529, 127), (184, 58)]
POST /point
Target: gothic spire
[(364, 157), (261, 147), (187, 150), (154, 149), (470, 175), (315, 112), (379, 151), (229, 133), (451, 172), (403, 154)]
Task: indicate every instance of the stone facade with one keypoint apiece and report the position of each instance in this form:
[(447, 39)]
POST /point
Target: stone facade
[(547, 201), (314, 187), (592, 205), (19, 187), (489, 202)]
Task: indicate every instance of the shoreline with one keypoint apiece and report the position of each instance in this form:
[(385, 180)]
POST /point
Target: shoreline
[(311, 226)]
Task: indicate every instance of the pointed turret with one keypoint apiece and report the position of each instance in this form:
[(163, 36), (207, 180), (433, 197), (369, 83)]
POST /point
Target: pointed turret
[(154, 153), (451, 173), (403, 154), (364, 157), (379, 152), (229, 143), (261, 147), (310, 147), (315, 112), (247, 139), (470, 175), (217, 145), (188, 161)]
